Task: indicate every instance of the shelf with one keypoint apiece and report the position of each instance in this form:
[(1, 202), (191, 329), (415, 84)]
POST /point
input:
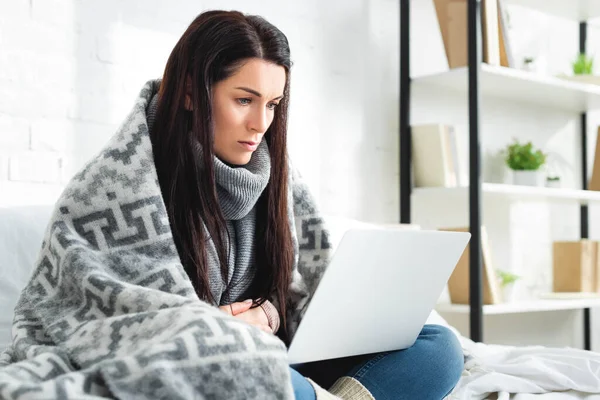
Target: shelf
[(514, 192), (522, 307), (578, 10), (520, 86)]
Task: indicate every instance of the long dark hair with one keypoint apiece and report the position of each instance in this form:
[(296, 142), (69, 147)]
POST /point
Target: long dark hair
[(213, 48)]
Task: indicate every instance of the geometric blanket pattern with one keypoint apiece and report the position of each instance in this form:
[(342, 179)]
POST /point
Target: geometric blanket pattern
[(109, 310)]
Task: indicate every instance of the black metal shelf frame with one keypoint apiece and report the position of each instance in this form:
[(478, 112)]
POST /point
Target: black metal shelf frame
[(474, 41)]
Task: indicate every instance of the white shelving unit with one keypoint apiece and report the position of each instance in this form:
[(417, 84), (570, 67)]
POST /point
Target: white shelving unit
[(527, 88), (516, 193), (521, 86), (522, 306), (576, 10)]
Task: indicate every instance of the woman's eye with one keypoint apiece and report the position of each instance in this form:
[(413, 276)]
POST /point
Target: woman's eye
[(273, 106), (244, 102)]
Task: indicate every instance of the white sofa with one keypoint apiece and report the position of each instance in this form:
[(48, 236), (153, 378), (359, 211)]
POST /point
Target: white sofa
[(21, 234)]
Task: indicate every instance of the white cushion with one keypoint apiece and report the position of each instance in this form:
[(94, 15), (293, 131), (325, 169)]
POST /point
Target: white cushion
[(21, 234)]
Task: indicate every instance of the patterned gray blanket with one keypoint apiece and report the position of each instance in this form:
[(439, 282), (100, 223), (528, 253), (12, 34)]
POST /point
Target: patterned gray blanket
[(109, 310)]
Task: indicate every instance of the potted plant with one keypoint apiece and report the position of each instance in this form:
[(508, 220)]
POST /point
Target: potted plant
[(507, 282), (553, 181), (529, 64), (525, 162), (582, 70), (583, 65)]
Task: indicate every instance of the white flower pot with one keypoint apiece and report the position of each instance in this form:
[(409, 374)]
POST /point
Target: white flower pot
[(530, 67), (508, 293), (526, 178), (553, 184)]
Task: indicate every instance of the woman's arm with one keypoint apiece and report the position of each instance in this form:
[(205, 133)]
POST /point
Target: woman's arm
[(272, 315)]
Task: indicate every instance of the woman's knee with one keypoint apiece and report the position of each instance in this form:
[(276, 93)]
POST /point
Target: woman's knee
[(445, 351), (433, 365)]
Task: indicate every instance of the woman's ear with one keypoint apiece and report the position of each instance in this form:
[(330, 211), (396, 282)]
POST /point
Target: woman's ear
[(187, 104)]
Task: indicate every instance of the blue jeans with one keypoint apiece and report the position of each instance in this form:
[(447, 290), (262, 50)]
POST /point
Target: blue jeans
[(429, 369)]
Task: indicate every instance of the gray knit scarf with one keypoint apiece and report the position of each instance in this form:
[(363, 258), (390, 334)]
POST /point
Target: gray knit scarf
[(238, 190), (109, 310)]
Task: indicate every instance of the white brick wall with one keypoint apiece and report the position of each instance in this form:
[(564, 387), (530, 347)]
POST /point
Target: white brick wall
[(70, 70), (36, 66)]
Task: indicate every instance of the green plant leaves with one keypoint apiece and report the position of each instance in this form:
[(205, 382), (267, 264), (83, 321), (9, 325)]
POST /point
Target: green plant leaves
[(583, 65), (506, 278), (523, 157)]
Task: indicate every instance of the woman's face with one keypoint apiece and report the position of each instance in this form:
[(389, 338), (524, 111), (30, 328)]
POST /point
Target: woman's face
[(243, 109)]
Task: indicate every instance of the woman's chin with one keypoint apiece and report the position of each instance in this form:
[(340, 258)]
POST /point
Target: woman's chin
[(239, 160)]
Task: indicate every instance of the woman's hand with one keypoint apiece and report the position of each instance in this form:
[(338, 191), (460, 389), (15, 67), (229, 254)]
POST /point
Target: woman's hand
[(253, 316), (234, 309)]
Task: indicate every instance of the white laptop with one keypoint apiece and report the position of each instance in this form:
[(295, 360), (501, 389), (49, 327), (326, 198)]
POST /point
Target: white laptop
[(377, 292)]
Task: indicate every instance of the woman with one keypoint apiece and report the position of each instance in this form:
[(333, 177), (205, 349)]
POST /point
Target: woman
[(246, 90), (173, 257)]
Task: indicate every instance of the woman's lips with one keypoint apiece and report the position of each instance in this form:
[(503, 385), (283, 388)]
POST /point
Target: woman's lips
[(249, 146)]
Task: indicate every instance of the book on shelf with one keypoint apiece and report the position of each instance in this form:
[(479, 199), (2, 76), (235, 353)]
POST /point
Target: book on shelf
[(594, 183), (491, 36), (458, 284), (506, 55), (452, 20), (436, 156)]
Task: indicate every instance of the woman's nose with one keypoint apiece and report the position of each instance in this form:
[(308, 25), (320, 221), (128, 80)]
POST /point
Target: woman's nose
[(259, 121)]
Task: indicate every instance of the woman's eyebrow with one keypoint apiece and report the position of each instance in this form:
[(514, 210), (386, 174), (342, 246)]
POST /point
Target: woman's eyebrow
[(254, 92)]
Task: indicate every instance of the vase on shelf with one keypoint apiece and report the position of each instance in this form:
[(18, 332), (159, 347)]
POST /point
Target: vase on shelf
[(553, 183), (509, 293), (526, 177), (529, 64)]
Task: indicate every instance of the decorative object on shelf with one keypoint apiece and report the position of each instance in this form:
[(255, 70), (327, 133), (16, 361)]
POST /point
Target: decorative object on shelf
[(525, 162), (526, 178), (583, 70), (553, 181), (529, 64), (504, 26), (583, 65), (575, 266), (507, 281), (491, 32), (554, 167), (435, 156), (452, 19), (458, 284), (594, 183)]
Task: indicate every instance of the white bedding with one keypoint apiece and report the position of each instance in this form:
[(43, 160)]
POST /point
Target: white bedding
[(570, 395), (535, 372), (522, 373)]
